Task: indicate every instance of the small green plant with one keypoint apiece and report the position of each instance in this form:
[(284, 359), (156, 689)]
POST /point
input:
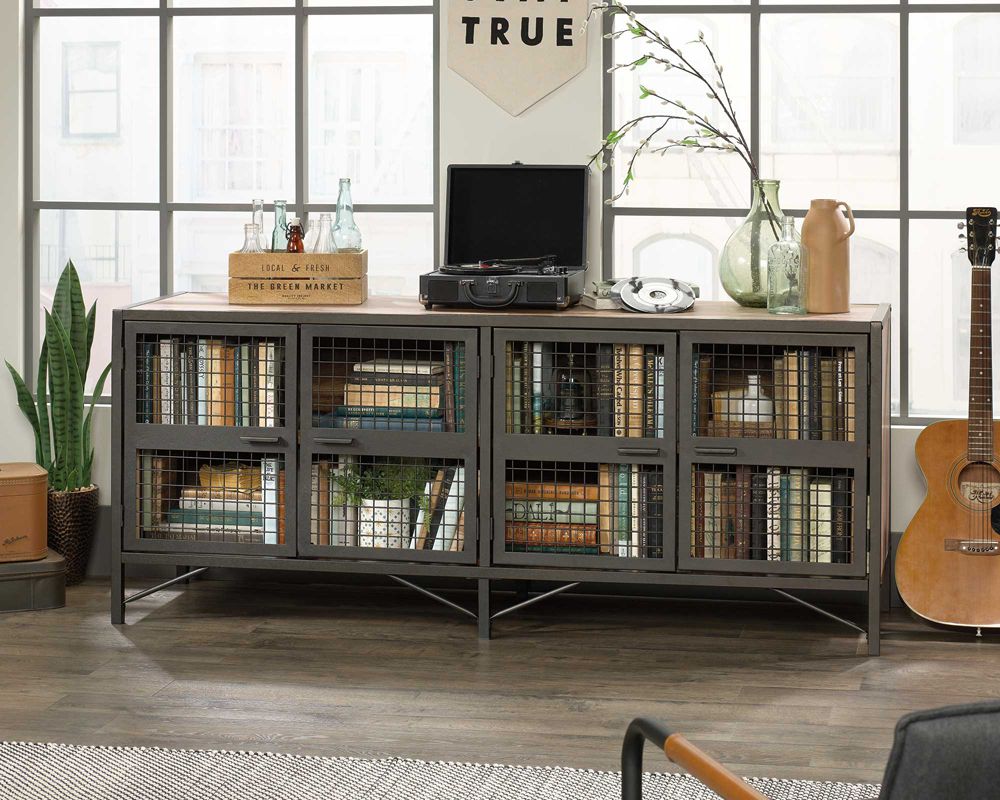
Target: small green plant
[(56, 413), (391, 481)]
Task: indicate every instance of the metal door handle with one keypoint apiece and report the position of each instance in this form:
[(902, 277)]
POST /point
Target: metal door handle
[(260, 439), (638, 451), (715, 451), (335, 440)]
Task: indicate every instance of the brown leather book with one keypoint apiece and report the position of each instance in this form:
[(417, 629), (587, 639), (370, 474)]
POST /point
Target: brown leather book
[(741, 523), (281, 507), (520, 490), (228, 386), (636, 389), (576, 534), (727, 508), (605, 508), (698, 515)]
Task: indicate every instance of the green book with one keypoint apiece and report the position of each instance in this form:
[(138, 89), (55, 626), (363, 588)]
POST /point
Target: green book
[(385, 411), (624, 511), (220, 519)]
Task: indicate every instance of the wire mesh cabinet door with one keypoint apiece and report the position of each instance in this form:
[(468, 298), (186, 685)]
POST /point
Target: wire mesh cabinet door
[(584, 432), (389, 456), (209, 418), (773, 453)]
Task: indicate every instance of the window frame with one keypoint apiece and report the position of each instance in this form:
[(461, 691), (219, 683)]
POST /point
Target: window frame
[(903, 213), (164, 205)]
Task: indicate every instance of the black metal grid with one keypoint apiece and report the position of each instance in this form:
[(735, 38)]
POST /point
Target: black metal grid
[(233, 381), (387, 502), (766, 513), (580, 508), (388, 384), (210, 497), (585, 388), (774, 392)]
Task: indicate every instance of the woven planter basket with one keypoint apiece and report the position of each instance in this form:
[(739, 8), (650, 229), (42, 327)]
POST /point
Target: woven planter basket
[(71, 529)]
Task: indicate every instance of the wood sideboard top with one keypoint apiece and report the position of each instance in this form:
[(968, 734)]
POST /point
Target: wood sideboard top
[(407, 310)]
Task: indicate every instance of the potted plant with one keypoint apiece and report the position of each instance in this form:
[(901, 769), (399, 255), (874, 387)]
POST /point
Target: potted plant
[(61, 424), (385, 496), (670, 124)]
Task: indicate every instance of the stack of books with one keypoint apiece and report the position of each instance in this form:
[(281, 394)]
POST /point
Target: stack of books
[(772, 514), (230, 502), (618, 514), (187, 381), (402, 394), (813, 390), (624, 389)]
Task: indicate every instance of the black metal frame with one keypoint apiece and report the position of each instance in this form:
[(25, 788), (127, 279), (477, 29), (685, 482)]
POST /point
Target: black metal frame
[(487, 446)]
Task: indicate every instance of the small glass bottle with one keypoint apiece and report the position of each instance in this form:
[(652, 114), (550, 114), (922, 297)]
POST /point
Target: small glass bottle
[(258, 220), (346, 236), (312, 234), (294, 236), (251, 239), (279, 237), (787, 272), (324, 236), (571, 391)]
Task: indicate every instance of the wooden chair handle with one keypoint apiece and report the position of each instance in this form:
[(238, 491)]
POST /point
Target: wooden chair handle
[(679, 750), (709, 771)]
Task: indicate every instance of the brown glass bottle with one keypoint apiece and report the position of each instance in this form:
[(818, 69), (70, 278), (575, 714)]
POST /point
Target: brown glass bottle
[(294, 236)]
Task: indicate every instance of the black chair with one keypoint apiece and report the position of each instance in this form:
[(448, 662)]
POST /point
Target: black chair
[(950, 753)]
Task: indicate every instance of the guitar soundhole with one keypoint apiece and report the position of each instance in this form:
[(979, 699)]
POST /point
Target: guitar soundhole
[(979, 490)]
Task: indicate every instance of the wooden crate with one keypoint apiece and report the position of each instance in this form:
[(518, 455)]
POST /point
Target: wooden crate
[(298, 291), (298, 265)]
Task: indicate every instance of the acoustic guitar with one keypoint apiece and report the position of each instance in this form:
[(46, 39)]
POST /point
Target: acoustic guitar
[(947, 569)]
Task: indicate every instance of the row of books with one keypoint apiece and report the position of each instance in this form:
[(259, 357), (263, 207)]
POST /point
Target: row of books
[(813, 390), (185, 381), (618, 389), (398, 394), (622, 515), (772, 514), (435, 521), (224, 503)]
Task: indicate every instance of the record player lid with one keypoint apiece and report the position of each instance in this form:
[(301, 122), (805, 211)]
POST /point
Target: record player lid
[(509, 211)]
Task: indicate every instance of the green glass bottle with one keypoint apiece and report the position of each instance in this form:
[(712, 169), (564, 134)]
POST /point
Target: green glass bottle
[(279, 239), (346, 236), (786, 273)]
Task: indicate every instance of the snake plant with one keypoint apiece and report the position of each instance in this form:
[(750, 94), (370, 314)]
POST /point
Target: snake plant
[(56, 413)]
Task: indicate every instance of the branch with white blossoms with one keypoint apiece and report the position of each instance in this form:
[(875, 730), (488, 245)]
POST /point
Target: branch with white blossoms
[(702, 133)]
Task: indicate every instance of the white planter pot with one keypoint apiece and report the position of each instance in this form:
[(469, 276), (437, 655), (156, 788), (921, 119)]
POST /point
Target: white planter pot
[(384, 523)]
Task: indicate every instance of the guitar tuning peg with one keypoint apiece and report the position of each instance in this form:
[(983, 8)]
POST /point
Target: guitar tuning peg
[(962, 236), (961, 225)]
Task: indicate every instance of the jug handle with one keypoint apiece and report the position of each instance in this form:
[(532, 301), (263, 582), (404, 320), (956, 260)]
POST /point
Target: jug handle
[(850, 218)]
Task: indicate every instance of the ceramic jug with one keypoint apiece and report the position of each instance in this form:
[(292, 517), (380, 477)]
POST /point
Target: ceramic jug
[(825, 233)]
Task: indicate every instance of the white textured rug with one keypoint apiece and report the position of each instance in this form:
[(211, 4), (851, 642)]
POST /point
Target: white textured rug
[(70, 772)]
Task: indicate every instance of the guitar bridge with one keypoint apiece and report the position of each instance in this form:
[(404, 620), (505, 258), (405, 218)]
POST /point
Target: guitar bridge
[(972, 547)]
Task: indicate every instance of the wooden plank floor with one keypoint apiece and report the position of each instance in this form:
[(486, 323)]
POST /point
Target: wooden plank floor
[(771, 689)]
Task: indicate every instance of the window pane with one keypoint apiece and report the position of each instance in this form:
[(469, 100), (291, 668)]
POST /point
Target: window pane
[(234, 124), (685, 248), (939, 306), (371, 114), (118, 257), (875, 278), (229, 3), (202, 244), (98, 118), (830, 107), (954, 109), (400, 248), (96, 3), (681, 178)]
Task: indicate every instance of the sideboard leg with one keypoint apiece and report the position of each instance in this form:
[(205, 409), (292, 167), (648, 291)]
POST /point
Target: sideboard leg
[(485, 609), (118, 594), (874, 615)]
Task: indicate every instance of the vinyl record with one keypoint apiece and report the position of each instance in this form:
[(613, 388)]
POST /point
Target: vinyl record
[(653, 295)]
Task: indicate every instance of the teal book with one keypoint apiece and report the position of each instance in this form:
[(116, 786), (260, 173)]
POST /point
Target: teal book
[(624, 511), (219, 519), (385, 411), (786, 543)]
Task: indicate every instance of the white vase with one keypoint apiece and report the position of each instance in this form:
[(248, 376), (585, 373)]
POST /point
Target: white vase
[(749, 405), (384, 523)]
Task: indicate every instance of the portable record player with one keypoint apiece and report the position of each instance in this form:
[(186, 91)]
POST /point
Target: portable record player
[(515, 237)]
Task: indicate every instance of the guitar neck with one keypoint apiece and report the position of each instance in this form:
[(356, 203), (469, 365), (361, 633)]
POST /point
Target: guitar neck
[(981, 368)]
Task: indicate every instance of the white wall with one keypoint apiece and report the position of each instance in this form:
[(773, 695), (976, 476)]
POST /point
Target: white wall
[(561, 128)]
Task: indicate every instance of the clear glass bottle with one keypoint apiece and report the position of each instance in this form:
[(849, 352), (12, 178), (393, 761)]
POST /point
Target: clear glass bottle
[(294, 237), (258, 220), (324, 236), (279, 238), (571, 391), (251, 239), (787, 272), (346, 236), (312, 234)]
